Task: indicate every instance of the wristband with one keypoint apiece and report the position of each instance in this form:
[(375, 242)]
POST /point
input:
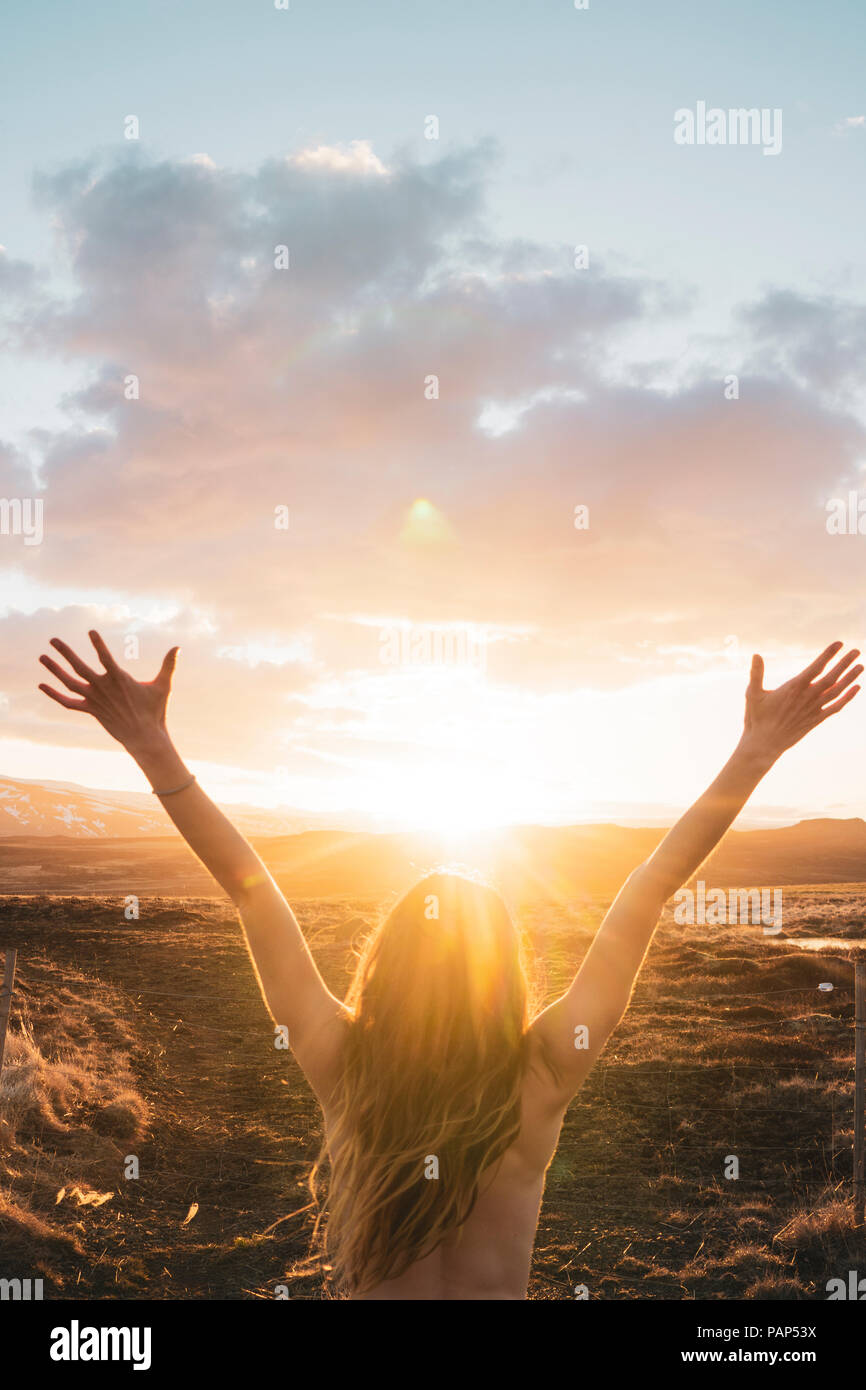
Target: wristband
[(173, 791)]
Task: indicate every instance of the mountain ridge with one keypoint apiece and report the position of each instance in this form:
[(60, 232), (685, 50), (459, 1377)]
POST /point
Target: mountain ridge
[(567, 863)]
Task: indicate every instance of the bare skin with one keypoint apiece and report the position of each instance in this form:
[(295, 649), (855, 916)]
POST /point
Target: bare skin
[(489, 1257)]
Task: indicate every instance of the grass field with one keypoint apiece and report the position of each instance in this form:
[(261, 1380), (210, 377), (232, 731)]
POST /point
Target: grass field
[(148, 1038)]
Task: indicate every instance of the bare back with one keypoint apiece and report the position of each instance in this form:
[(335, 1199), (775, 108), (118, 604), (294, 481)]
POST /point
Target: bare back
[(489, 1256)]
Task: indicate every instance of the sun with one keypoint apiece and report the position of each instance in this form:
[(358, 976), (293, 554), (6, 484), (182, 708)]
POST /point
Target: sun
[(456, 805)]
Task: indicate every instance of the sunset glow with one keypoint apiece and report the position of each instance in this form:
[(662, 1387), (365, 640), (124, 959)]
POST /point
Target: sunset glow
[(439, 481)]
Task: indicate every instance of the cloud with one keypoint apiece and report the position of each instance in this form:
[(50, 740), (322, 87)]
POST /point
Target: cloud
[(16, 277), (308, 388), (357, 157), (817, 340)]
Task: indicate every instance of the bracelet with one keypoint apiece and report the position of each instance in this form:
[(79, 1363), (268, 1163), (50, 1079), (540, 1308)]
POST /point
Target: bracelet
[(174, 790)]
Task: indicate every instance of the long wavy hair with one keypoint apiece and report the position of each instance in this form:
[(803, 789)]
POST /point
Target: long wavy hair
[(429, 1096)]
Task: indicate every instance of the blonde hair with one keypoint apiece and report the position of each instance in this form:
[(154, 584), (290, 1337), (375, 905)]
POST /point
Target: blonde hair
[(432, 1068)]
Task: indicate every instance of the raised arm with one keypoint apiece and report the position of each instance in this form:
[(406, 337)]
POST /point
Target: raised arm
[(134, 713), (598, 998)]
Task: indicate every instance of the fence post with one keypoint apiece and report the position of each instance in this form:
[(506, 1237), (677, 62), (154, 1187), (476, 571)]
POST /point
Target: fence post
[(859, 1085), (10, 956)]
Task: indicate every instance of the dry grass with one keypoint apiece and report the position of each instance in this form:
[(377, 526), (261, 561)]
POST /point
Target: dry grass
[(823, 1228), (150, 1037), (86, 1087), (67, 1101)]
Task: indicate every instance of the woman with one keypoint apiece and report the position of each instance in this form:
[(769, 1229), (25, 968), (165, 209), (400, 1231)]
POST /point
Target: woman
[(443, 1101)]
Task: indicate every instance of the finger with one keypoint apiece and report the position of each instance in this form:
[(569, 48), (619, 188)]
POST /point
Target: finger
[(62, 676), (74, 661), (63, 699), (839, 704), (819, 663), (840, 685), (833, 675), (756, 676), (166, 670), (102, 652)]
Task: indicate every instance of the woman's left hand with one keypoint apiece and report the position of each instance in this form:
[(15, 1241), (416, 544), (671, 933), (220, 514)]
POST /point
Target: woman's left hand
[(131, 711)]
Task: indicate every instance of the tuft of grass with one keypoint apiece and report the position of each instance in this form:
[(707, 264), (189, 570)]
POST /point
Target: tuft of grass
[(820, 1229), (24, 1234), (83, 1087), (778, 1287)]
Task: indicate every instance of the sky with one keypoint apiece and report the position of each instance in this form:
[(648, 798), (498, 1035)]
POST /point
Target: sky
[(471, 502)]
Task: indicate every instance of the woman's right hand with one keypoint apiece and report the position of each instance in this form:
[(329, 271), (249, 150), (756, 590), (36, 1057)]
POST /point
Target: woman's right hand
[(777, 719)]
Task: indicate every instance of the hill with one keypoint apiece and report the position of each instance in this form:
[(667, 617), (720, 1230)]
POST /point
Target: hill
[(559, 863), (48, 809)]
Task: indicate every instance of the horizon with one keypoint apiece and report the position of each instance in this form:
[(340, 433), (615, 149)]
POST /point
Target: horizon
[(355, 823)]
